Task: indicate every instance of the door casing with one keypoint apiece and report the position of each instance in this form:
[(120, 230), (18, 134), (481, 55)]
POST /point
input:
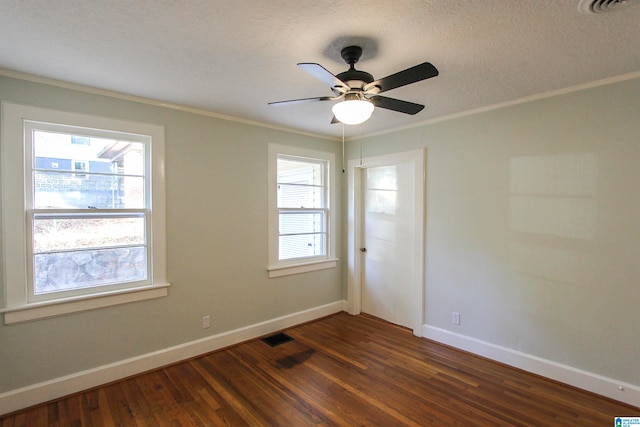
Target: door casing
[(355, 217)]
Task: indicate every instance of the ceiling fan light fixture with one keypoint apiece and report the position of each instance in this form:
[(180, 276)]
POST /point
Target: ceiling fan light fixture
[(353, 111)]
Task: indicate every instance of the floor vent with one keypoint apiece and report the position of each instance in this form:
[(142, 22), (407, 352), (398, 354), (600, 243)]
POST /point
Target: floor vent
[(603, 6), (277, 339)]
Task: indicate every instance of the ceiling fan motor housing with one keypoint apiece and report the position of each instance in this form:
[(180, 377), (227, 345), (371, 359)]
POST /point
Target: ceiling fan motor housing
[(359, 78), (351, 54), (356, 79)]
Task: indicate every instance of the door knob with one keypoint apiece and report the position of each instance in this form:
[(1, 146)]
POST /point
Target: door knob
[(363, 249)]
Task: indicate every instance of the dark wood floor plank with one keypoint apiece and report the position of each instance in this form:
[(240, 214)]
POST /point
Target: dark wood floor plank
[(290, 365), (278, 395), (236, 409), (387, 385), (120, 408), (274, 400), (339, 371)]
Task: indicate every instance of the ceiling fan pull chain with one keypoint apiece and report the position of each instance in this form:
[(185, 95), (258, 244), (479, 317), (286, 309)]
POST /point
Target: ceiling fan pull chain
[(343, 148), (360, 144)]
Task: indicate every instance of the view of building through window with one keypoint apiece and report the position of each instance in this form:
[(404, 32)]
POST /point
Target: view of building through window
[(88, 228)]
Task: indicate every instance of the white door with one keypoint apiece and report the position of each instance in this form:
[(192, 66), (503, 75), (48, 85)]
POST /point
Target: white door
[(388, 242)]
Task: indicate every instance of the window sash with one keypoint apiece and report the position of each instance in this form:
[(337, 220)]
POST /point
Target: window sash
[(302, 192), (305, 226), (126, 272), (112, 279)]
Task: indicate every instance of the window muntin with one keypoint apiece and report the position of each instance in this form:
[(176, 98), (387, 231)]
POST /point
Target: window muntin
[(86, 232), (302, 208)]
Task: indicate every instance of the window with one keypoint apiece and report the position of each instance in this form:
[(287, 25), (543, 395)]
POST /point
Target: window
[(301, 218), (87, 239), (79, 165), (302, 208), (86, 230)]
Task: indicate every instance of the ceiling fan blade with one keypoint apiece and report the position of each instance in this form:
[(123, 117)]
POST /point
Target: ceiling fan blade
[(411, 75), (302, 100), (325, 76), (396, 105)]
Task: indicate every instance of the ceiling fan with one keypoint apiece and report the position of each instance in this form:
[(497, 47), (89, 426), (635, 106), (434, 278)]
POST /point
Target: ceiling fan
[(360, 92)]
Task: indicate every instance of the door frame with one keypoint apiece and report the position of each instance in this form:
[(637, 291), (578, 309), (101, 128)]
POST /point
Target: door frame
[(355, 233)]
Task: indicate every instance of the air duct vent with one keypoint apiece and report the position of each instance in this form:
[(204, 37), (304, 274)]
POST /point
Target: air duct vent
[(603, 6)]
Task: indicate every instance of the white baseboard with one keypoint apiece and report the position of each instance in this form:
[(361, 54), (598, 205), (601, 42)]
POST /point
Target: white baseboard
[(35, 394), (608, 387)]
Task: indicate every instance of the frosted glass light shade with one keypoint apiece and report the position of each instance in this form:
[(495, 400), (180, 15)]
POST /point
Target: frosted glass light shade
[(353, 112)]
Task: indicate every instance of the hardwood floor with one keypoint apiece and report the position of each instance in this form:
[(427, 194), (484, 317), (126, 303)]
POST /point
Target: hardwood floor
[(342, 370)]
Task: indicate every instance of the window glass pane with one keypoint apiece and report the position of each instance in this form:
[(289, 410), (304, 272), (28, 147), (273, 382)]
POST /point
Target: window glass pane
[(85, 191), (60, 234), (300, 184), (82, 172), (65, 152), (301, 222), (300, 246), (300, 196), (300, 172), (56, 272), (302, 234)]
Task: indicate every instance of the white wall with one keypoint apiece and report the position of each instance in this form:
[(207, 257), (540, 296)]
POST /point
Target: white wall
[(533, 226), (216, 175)]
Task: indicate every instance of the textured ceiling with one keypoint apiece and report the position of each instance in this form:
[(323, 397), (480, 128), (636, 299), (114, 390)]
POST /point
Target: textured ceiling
[(233, 57)]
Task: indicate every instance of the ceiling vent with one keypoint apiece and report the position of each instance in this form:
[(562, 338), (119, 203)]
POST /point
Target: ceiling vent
[(603, 6)]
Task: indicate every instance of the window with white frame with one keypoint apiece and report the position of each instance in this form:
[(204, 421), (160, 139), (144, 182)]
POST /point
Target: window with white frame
[(85, 231), (80, 236), (301, 219)]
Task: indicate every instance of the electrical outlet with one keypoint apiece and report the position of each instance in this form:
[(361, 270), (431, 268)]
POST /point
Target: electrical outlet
[(206, 322), (455, 318)]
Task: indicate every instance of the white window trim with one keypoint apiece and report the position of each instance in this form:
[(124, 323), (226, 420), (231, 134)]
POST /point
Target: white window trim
[(277, 268), (16, 306)]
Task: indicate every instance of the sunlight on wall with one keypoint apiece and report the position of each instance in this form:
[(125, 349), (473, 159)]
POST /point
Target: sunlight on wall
[(554, 195), (553, 214)]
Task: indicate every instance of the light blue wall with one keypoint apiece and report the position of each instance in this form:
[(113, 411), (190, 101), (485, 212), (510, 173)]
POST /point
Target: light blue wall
[(216, 175), (533, 226)]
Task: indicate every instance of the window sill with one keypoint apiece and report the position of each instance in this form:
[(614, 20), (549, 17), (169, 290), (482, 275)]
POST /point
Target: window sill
[(43, 310), (286, 270)]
